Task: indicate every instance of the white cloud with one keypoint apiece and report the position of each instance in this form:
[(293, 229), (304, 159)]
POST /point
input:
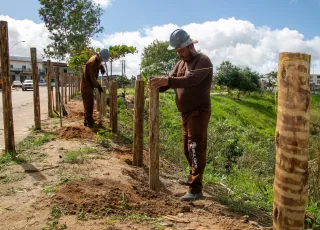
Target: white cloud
[(240, 42), (34, 35), (103, 3)]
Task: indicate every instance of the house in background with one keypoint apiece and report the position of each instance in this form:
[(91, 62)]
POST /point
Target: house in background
[(20, 68), (314, 81)]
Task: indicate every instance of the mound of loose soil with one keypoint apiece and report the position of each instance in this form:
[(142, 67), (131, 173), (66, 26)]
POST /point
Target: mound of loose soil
[(103, 197), (75, 131)]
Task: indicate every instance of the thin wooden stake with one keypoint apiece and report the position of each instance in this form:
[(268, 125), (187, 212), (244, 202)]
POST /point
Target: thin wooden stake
[(114, 107), (36, 94), (138, 123), (65, 89), (50, 112), (57, 88), (69, 81), (104, 101), (6, 90), (62, 87), (154, 181)]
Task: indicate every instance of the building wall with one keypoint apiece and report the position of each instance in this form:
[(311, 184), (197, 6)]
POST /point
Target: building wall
[(21, 69), (315, 81)]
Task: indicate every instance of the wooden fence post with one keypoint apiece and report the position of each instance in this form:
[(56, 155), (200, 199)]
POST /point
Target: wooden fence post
[(138, 123), (104, 101), (292, 134), (36, 94), (114, 107), (72, 88), (62, 88), (6, 90), (154, 180), (57, 88), (69, 81), (50, 112), (65, 89)]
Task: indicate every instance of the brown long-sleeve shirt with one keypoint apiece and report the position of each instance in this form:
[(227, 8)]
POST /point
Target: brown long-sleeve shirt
[(192, 83), (91, 72)]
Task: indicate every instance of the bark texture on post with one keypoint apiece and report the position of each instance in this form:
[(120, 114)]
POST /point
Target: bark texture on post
[(114, 107), (138, 123), (36, 94), (292, 133), (154, 181), (6, 90), (50, 112)]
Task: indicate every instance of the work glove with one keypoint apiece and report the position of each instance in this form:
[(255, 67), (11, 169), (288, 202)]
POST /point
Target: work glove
[(100, 89)]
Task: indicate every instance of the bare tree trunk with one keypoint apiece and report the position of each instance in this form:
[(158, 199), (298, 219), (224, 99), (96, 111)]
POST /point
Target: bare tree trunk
[(292, 133)]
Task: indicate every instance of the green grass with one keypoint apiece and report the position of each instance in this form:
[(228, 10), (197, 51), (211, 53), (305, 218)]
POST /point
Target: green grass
[(78, 156), (36, 139), (241, 147)]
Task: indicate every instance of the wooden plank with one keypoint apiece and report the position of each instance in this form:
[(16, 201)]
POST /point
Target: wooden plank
[(154, 181), (36, 93), (138, 123), (6, 90)]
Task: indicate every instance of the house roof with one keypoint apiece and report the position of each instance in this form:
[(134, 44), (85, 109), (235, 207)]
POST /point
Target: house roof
[(22, 59)]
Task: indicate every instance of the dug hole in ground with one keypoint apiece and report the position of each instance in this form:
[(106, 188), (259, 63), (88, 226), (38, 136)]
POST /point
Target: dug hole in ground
[(70, 180)]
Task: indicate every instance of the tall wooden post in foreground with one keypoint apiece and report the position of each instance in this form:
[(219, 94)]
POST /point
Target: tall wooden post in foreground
[(154, 181), (113, 107), (6, 90), (50, 112), (138, 123), (36, 94), (292, 133)]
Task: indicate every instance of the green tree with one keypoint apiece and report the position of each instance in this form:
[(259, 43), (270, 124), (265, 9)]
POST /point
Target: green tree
[(231, 76), (271, 80), (120, 51), (81, 59), (157, 59), (71, 24), (228, 75), (123, 82)]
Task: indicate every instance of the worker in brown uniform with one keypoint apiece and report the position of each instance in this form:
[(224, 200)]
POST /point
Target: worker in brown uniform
[(191, 79), (89, 82)]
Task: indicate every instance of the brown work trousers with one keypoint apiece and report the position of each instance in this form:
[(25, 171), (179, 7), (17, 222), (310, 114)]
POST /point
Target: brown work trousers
[(88, 103), (194, 133)]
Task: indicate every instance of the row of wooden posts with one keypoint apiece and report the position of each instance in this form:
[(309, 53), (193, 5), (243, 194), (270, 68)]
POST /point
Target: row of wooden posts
[(73, 87), (292, 131)]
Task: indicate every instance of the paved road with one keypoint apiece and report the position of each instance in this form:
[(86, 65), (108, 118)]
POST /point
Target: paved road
[(23, 112)]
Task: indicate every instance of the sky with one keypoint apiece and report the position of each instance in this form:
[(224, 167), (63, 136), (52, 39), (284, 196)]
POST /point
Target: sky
[(246, 32)]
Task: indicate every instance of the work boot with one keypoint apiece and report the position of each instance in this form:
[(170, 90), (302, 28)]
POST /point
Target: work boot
[(191, 196), (90, 124)]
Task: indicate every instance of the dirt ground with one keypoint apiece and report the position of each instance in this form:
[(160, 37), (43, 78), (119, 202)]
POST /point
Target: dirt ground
[(100, 191)]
